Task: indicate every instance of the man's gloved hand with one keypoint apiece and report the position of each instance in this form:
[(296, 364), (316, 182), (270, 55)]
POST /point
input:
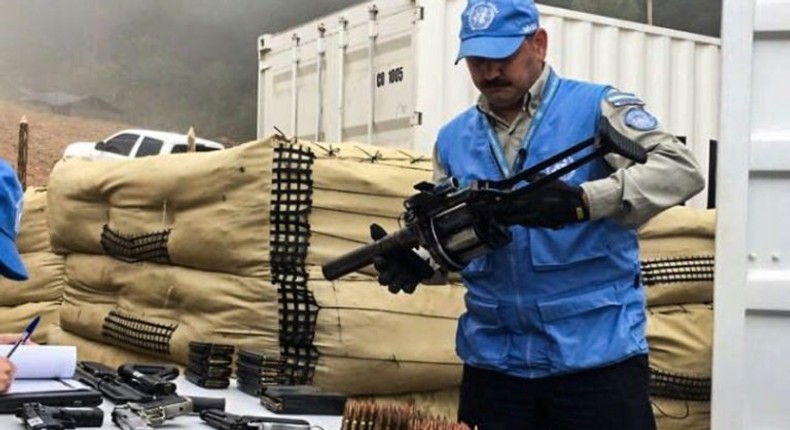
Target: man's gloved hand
[(399, 270), (553, 205)]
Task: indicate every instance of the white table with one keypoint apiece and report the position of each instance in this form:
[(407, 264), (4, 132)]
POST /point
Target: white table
[(236, 402)]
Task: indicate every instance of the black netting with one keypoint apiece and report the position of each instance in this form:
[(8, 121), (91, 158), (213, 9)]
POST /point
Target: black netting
[(679, 387), (677, 270), (139, 332), (135, 248), (292, 190)]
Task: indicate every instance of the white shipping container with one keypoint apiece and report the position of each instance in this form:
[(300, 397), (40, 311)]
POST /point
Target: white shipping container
[(382, 72), (751, 344)]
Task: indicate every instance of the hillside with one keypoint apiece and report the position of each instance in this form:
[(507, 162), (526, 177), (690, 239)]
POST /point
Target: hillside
[(49, 135)]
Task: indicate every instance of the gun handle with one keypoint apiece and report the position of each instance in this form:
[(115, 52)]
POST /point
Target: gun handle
[(613, 141), (406, 238), (217, 418)]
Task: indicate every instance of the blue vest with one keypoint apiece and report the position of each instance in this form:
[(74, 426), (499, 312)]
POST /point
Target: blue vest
[(552, 301)]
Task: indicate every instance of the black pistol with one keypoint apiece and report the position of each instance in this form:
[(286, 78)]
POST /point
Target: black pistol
[(135, 383), (150, 378), (36, 416)]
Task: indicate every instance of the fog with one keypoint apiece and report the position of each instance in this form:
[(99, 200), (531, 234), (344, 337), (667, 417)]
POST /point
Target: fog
[(163, 64), (179, 63)]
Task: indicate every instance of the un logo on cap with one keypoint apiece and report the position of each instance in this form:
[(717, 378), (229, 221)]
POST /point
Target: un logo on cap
[(482, 15)]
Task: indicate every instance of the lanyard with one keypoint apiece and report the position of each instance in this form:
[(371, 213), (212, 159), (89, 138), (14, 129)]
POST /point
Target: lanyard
[(496, 146)]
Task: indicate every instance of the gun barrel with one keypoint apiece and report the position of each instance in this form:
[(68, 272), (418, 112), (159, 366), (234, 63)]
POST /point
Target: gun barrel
[(363, 256), (85, 417)]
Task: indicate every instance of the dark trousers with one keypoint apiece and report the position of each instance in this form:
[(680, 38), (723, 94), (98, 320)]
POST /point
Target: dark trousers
[(609, 398)]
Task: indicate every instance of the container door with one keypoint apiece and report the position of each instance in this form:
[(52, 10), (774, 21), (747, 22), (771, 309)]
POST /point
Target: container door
[(751, 361), (347, 77)]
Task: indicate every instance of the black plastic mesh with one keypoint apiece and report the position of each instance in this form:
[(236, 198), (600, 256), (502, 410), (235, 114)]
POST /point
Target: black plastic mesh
[(135, 331), (135, 248), (679, 387), (677, 270), (292, 191)]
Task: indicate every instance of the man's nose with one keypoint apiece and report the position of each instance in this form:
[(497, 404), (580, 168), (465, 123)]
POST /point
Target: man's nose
[(491, 69)]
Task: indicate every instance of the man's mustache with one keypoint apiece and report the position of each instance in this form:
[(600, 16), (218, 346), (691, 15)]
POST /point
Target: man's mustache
[(496, 83)]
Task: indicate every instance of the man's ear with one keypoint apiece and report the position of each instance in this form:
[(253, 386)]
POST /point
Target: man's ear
[(541, 42)]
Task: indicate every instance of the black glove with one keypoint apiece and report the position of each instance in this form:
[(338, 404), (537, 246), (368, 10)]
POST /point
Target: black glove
[(399, 270), (552, 205)]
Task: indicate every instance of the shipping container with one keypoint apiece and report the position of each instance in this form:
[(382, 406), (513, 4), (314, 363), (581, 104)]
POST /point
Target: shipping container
[(383, 72), (751, 347)]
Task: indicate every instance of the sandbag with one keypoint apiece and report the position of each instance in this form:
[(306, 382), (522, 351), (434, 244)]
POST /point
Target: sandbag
[(41, 294), (206, 210), (33, 232), (306, 204), (89, 350), (336, 341), (677, 253), (355, 185), (45, 282), (15, 318), (158, 309), (681, 415), (680, 339), (180, 209), (370, 341)]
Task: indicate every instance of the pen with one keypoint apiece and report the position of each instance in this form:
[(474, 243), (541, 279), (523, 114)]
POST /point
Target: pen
[(31, 326)]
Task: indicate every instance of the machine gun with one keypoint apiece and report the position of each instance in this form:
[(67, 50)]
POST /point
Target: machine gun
[(457, 225), (36, 416), (225, 421)]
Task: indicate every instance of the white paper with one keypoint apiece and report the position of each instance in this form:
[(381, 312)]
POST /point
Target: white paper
[(36, 385), (43, 361)]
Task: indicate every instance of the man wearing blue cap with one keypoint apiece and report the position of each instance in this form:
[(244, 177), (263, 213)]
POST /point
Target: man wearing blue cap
[(11, 265), (554, 333)]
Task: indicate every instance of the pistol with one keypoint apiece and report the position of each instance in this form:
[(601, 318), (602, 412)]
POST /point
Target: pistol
[(106, 380), (151, 379), (125, 418), (156, 412), (36, 416), (225, 421)]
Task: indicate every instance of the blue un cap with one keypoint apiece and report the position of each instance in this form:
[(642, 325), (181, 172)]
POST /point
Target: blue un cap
[(496, 28), (11, 265)]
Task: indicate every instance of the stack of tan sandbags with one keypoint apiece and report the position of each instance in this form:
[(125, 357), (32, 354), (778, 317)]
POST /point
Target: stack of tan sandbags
[(165, 250), (677, 253), (366, 340), (227, 246), (41, 294)]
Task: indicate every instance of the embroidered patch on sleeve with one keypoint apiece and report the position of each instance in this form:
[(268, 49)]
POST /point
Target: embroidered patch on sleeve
[(640, 119), (620, 99)]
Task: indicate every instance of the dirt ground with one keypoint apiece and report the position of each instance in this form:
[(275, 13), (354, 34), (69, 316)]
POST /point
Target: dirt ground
[(49, 133)]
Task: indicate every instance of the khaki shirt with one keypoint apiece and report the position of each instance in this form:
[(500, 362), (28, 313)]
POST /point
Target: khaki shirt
[(632, 194)]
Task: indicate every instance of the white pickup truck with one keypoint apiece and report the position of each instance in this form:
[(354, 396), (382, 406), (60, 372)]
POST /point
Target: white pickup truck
[(138, 143)]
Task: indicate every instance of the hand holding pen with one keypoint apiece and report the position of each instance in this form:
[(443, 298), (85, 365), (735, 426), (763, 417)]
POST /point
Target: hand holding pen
[(25, 336), (7, 368)]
